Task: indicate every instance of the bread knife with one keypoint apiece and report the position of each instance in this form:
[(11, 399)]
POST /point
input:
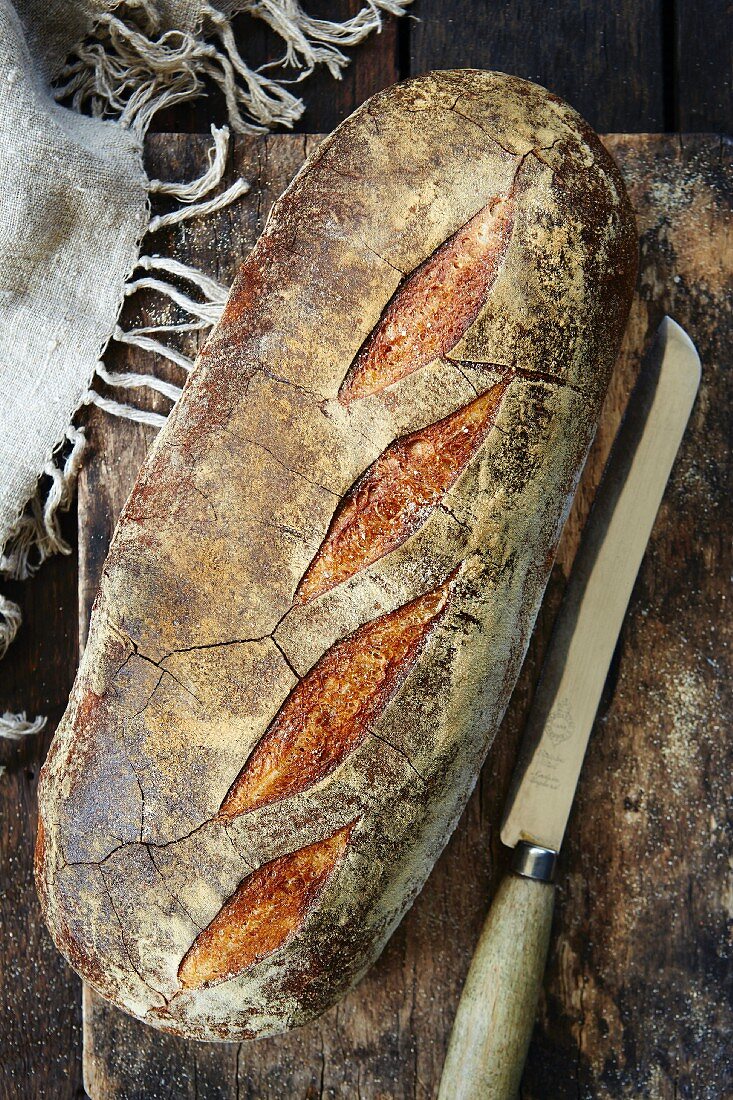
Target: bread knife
[(495, 1017)]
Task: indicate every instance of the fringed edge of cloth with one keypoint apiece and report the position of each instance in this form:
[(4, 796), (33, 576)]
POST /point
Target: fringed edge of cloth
[(14, 727), (201, 303), (131, 65), (36, 536)]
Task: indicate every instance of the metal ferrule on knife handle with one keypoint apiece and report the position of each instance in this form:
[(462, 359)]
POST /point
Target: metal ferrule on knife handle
[(533, 861), (496, 1013)]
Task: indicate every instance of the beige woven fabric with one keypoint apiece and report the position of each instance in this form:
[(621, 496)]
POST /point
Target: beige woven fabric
[(74, 207)]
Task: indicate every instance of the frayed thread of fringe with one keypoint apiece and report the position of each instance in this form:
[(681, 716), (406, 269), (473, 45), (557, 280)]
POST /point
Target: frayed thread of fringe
[(36, 535), (202, 311), (131, 67), (14, 727), (204, 314)]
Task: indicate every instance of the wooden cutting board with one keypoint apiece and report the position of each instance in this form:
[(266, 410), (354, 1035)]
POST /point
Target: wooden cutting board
[(637, 997)]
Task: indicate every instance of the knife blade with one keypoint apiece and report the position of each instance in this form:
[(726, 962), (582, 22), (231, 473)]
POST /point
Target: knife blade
[(495, 1016)]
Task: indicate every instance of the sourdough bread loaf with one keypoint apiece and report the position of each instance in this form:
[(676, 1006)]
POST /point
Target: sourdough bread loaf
[(319, 594)]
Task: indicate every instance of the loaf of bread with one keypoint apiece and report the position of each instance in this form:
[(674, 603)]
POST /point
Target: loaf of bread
[(321, 589)]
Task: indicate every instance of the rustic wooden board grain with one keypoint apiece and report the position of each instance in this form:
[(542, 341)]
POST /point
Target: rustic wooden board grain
[(701, 41), (638, 993), (610, 56), (40, 1015), (605, 59)]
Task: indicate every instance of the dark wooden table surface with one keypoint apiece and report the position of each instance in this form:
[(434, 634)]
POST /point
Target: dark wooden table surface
[(628, 66)]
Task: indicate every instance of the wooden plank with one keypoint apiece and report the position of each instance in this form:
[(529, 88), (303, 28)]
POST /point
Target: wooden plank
[(636, 999), (702, 46), (40, 1018), (605, 59)]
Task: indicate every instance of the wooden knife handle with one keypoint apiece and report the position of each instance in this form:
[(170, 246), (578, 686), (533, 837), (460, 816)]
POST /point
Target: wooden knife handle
[(496, 1013)]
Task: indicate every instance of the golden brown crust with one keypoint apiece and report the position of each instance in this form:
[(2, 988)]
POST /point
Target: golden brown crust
[(198, 639), (395, 496), (334, 706), (267, 908), (434, 307)]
